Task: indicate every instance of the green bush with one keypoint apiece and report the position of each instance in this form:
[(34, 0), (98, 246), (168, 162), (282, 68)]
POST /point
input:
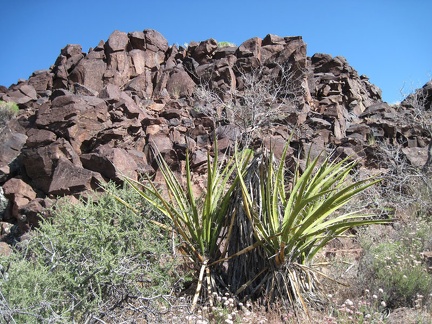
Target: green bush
[(89, 259), (394, 264), (225, 44), (8, 110)]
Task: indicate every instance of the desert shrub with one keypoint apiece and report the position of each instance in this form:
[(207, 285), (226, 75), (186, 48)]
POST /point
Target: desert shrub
[(225, 44), (263, 96), (405, 189), (8, 110), (88, 261), (394, 263)]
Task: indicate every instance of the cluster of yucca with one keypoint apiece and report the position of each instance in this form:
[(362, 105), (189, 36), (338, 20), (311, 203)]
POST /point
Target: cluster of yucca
[(255, 230)]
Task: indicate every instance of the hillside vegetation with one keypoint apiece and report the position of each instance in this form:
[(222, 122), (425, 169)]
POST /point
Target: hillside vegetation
[(145, 183)]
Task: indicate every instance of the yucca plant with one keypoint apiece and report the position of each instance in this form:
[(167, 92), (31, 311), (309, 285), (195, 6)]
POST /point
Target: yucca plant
[(201, 222), (293, 221)]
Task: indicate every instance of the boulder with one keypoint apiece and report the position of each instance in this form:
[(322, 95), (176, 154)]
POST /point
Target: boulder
[(82, 90), (41, 81), (41, 162), (142, 85), (137, 40), (117, 42), (90, 73), (69, 178), (18, 194), (118, 68), (416, 156), (251, 47), (204, 51), (17, 187), (160, 143), (155, 42), (112, 163), (276, 144), (39, 137), (179, 84), (282, 50), (11, 144), (69, 57), (77, 118), (23, 93), (137, 62), (33, 212)]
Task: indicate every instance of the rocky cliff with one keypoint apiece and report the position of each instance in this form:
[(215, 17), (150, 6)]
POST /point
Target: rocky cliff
[(100, 115)]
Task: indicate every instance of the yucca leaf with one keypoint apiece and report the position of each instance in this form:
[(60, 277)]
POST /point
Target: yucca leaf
[(332, 203), (295, 199)]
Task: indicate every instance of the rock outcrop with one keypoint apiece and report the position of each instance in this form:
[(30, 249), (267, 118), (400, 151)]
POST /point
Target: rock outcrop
[(104, 114)]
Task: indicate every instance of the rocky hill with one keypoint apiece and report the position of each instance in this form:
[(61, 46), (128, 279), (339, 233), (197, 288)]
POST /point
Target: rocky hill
[(100, 115)]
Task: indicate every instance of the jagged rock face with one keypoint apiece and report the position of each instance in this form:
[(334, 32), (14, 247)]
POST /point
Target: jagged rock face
[(422, 97), (104, 114)]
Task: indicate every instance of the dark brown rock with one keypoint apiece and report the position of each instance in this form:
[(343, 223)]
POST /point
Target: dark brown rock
[(69, 57), (35, 211), (276, 144), (90, 73), (203, 52), (19, 194), (292, 50), (23, 93), (137, 62), (251, 47), (82, 90), (199, 158), (112, 163), (41, 81), (11, 144), (140, 159), (17, 187), (78, 118), (71, 50), (376, 109), (142, 85), (271, 39), (117, 41), (39, 137), (110, 91), (137, 40), (160, 143), (154, 41), (416, 156), (106, 114), (180, 84), (119, 68), (41, 162), (69, 178)]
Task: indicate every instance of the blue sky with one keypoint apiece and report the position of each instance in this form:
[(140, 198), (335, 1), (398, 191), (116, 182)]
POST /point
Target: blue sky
[(388, 40)]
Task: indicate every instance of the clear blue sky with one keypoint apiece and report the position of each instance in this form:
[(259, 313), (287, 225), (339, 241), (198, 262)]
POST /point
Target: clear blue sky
[(388, 40)]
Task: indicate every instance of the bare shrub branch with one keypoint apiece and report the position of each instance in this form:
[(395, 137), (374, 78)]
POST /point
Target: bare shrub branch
[(263, 96)]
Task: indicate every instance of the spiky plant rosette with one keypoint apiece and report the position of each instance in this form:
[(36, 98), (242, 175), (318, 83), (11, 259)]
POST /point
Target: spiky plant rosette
[(201, 222), (290, 219)]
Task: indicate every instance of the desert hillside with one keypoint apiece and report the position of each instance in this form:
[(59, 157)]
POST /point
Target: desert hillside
[(136, 109)]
